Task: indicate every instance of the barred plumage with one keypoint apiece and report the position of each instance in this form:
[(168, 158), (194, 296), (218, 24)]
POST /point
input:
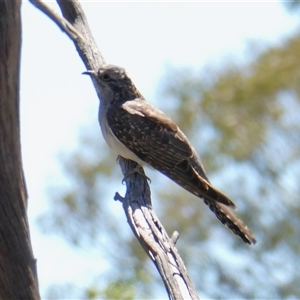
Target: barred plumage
[(138, 131)]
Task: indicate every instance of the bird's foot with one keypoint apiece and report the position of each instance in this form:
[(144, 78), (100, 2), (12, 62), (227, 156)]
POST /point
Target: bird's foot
[(137, 169)]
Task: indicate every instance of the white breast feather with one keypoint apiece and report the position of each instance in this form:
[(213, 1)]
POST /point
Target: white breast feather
[(115, 144)]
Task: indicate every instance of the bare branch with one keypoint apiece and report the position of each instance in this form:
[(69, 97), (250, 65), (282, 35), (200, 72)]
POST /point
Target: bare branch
[(175, 237), (62, 23), (153, 237), (137, 202)]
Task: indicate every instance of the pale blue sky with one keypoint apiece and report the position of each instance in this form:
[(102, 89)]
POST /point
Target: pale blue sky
[(56, 100)]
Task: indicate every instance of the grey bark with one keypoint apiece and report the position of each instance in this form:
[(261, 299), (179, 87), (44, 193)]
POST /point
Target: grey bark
[(18, 278), (137, 202)]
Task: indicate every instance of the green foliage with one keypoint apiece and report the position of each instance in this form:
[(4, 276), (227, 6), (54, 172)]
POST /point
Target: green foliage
[(114, 290), (244, 122), (251, 113)]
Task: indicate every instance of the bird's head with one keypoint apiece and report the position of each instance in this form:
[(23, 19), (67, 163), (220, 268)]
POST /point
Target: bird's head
[(114, 83)]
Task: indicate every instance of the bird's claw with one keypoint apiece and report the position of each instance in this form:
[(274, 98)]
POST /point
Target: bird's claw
[(137, 169)]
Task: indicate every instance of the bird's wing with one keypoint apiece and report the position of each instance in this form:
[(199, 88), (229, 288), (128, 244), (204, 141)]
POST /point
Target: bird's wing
[(154, 138)]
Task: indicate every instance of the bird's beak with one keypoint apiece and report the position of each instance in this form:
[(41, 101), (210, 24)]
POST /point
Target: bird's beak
[(89, 72)]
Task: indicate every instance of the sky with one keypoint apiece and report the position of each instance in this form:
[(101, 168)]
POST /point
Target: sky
[(57, 101)]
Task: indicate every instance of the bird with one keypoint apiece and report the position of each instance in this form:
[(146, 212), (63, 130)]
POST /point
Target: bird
[(139, 131)]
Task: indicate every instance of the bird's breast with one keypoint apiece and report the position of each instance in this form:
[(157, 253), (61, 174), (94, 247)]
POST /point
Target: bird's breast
[(114, 143)]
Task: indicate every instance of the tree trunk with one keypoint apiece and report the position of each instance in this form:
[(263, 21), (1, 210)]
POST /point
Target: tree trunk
[(18, 278)]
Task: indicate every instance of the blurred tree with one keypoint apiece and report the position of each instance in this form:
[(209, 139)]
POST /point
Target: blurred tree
[(243, 118), (292, 5)]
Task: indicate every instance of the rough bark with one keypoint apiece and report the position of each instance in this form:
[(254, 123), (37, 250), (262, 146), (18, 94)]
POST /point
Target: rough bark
[(137, 202), (18, 279), (152, 236)]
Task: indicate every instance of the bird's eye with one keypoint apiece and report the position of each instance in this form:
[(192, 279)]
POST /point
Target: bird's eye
[(105, 77)]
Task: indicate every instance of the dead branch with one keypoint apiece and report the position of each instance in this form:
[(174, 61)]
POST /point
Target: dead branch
[(137, 202)]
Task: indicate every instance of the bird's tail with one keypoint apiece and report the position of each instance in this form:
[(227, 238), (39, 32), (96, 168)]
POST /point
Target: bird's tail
[(228, 218)]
